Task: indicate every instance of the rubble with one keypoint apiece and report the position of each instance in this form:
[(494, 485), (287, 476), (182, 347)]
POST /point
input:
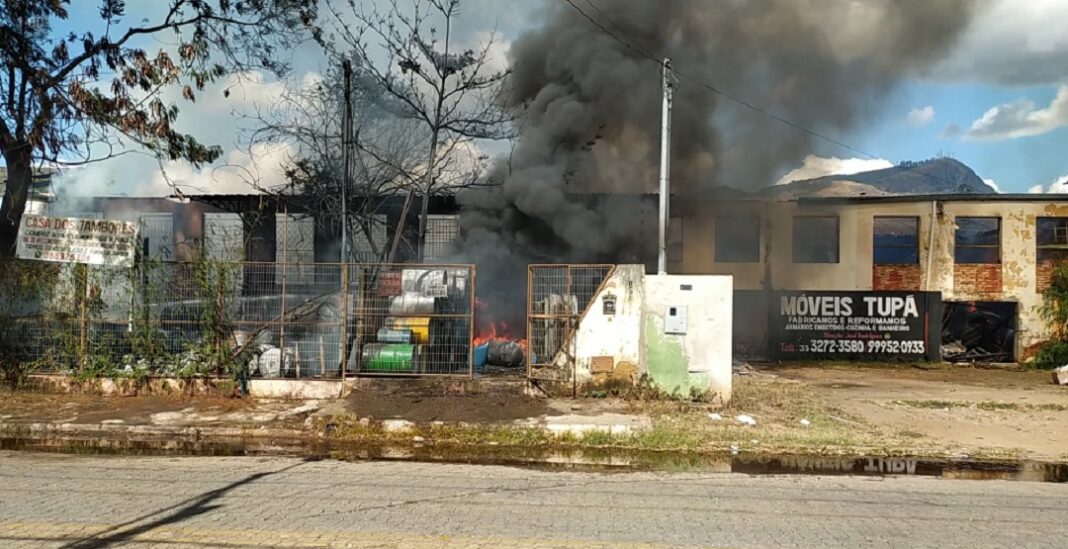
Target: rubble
[(746, 420), (1060, 375)]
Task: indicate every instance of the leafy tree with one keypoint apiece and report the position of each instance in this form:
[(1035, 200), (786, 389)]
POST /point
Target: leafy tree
[(73, 98)]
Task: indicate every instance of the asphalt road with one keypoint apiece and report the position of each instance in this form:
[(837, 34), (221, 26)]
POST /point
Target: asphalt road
[(82, 502)]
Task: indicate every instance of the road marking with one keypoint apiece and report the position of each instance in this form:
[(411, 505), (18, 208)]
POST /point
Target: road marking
[(290, 539)]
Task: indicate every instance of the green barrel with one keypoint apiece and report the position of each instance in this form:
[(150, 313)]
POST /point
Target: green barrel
[(386, 358)]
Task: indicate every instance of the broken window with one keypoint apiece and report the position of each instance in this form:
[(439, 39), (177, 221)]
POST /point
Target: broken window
[(224, 237), (157, 236), (816, 239), (978, 240), (737, 239), (441, 232), (983, 331), (896, 240), (1052, 239), (369, 238), (295, 246)]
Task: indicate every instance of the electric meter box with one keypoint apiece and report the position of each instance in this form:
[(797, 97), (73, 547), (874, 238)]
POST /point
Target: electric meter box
[(675, 320)]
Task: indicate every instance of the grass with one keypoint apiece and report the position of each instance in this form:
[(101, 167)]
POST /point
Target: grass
[(987, 405)]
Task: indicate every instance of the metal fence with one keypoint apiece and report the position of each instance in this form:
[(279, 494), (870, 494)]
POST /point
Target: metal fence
[(557, 297), (268, 320), (412, 320)]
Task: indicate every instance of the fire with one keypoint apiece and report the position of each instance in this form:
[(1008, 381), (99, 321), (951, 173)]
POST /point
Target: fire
[(491, 330), (497, 331)]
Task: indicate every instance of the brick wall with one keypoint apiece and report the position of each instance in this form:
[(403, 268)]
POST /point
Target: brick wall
[(1043, 276), (896, 277), (981, 280)]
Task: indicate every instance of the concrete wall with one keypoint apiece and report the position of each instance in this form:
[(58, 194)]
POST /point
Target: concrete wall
[(631, 342), (1018, 278), (295, 389), (700, 359), (608, 346)]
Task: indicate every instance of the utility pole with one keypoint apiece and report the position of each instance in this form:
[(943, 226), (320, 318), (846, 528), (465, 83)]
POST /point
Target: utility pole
[(668, 83), (346, 153)]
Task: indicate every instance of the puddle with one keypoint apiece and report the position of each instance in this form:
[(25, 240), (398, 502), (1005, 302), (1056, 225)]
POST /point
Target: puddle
[(598, 460)]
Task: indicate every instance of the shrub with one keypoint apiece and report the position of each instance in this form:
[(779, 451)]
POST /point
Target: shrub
[(1054, 352)]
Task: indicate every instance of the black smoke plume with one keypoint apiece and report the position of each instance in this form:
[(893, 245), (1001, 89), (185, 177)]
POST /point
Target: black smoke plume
[(590, 113)]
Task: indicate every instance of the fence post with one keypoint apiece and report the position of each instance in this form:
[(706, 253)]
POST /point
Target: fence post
[(360, 312), (282, 299), (218, 316), (530, 321), (471, 321), (572, 322), (82, 290), (344, 313)]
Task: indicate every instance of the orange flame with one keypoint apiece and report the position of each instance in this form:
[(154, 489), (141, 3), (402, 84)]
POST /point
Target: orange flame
[(497, 331), (494, 330)]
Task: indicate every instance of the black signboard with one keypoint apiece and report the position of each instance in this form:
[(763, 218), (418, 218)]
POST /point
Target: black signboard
[(855, 325)]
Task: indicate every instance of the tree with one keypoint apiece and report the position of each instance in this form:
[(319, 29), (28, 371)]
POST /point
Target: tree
[(450, 92), (78, 98), (308, 118)]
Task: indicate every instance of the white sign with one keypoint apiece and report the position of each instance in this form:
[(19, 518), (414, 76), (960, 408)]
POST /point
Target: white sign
[(72, 240), (436, 290)]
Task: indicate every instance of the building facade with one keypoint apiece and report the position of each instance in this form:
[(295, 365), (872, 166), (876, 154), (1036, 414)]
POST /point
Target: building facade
[(261, 228), (990, 257)]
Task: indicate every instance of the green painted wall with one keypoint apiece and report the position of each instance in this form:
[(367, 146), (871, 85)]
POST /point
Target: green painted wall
[(666, 361)]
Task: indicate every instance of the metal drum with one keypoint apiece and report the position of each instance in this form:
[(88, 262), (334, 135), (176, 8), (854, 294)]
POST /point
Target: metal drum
[(390, 358), (396, 335), (411, 304), (419, 326)]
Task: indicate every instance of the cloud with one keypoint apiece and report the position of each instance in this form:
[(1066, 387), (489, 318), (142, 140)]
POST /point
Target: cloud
[(818, 166), (920, 117), (1058, 186), (212, 120), (952, 130), (1021, 119), (263, 167), (1012, 43), (993, 185)]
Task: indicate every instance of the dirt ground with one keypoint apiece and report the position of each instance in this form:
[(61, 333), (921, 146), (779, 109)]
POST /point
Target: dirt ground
[(87, 408), (962, 408), (38, 407), (416, 403)]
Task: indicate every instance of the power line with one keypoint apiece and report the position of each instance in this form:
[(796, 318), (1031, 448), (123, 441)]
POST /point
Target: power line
[(782, 120), (605, 30)]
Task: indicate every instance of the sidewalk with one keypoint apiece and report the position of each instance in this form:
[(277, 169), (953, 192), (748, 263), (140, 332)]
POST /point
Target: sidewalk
[(829, 410)]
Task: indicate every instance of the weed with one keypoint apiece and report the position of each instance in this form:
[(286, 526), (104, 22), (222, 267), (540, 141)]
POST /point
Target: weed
[(931, 404), (1054, 311), (986, 405)]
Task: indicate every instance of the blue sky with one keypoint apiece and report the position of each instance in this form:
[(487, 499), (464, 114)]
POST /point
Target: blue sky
[(1010, 63), (1016, 164)]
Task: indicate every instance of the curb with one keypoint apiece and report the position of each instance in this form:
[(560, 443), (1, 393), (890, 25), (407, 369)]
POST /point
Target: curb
[(101, 429)]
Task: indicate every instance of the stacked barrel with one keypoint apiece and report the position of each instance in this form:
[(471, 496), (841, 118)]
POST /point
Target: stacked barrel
[(425, 331)]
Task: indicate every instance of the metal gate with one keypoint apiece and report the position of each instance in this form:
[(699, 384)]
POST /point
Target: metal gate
[(409, 320), (557, 298)]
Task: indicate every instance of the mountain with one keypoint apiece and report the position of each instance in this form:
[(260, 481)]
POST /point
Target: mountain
[(935, 176)]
